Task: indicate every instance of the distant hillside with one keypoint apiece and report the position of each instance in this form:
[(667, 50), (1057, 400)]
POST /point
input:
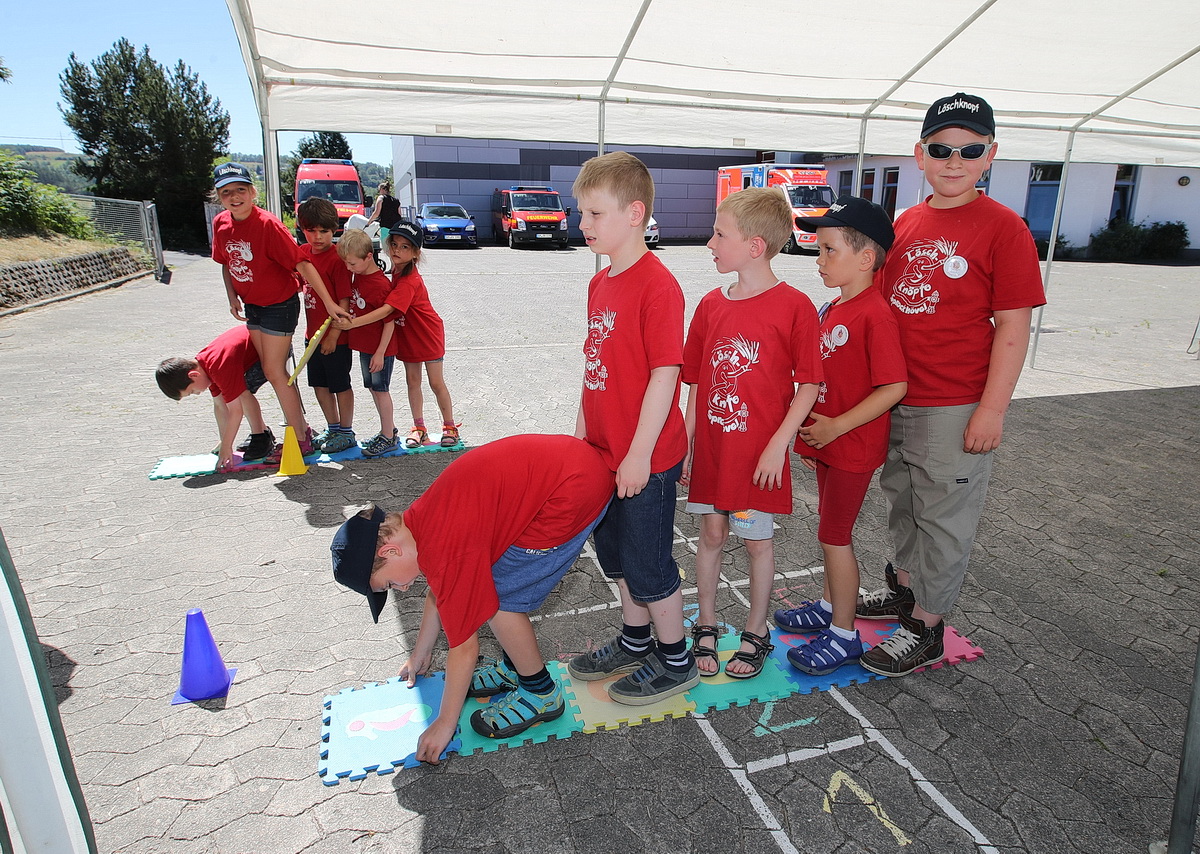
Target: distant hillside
[(51, 166)]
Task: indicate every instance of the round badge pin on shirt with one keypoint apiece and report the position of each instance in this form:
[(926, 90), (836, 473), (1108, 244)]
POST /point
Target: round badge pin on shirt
[(955, 266)]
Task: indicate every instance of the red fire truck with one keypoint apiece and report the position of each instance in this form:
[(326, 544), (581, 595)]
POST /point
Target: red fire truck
[(807, 188)]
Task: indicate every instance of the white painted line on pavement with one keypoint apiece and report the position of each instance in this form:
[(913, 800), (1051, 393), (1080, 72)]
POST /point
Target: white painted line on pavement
[(803, 755)]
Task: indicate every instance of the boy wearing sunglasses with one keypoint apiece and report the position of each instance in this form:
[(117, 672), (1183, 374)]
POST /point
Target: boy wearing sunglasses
[(962, 279)]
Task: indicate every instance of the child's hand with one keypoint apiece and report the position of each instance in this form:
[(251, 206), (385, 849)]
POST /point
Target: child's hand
[(821, 432), (768, 474), (434, 740), (235, 308), (685, 479), (376, 363), (328, 344), (984, 431), (342, 323), (632, 477), (418, 664), (225, 462), (336, 311), (809, 463)]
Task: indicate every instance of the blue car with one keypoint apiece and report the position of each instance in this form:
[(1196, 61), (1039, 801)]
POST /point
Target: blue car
[(446, 223)]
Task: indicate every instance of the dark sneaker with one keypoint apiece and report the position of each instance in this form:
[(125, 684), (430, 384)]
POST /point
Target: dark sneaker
[(913, 645), (825, 653), (809, 617), (652, 682), (886, 603), (606, 661), (258, 445), (381, 444), (517, 711), (339, 440)]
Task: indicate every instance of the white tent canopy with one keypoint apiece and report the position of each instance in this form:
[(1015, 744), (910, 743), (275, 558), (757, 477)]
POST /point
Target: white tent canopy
[(766, 75)]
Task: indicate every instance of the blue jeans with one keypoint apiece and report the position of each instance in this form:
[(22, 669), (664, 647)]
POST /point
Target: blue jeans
[(525, 577), (633, 540)]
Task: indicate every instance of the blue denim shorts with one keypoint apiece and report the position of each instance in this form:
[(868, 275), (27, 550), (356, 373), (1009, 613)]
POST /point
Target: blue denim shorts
[(330, 371), (525, 577), (278, 319), (634, 539), (380, 380), (254, 377)]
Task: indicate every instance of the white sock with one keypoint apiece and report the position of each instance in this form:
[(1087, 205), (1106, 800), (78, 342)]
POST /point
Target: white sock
[(844, 634)]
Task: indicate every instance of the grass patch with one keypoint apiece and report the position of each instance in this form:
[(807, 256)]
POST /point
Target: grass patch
[(15, 250)]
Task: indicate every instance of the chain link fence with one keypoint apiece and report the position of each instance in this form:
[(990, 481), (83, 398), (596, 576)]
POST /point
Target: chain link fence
[(130, 222)]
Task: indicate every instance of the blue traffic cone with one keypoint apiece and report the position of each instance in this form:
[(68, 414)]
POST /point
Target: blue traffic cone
[(204, 674)]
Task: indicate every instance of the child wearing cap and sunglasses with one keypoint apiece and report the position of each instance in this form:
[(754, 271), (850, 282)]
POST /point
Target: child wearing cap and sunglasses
[(962, 279)]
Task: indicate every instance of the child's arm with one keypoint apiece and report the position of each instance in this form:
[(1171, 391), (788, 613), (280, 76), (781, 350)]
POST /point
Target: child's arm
[(421, 657), (385, 338), (986, 427), (580, 422), (634, 471), (349, 322), (768, 474), (235, 302), (825, 429), (229, 418), (309, 273), (689, 422)]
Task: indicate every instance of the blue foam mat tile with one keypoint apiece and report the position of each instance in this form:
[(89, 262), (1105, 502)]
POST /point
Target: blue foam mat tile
[(724, 692), (843, 677), (375, 728), (563, 727), (197, 465)]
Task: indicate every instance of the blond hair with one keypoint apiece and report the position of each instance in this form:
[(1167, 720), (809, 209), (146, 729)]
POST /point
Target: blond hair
[(355, 243), (761, 212), (622, 175)]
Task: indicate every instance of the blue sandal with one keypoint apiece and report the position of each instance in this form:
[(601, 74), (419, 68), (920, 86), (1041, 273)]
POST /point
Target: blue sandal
[(825, 653), (517, 711), (809, 617), (491, 677)]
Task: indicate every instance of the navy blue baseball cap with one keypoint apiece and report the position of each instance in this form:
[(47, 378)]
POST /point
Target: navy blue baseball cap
[(960, 110), (353, 551), (408, 231), (227, 173), (856, 213)]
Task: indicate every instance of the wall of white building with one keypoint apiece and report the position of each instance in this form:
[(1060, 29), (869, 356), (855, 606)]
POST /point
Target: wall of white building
[(1160, 198)]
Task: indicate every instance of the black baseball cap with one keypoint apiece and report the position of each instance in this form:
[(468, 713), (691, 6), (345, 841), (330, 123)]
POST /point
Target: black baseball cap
[(227, 173), (408, 231), (353, 551), (960, 110), (856, 213)]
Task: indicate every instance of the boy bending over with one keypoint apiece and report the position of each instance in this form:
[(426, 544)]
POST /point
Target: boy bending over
[(492, 536)]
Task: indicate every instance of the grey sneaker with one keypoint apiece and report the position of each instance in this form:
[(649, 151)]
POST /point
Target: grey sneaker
[(339, 440), (886, 603), (381, 444), (652, 682), (606, 661)]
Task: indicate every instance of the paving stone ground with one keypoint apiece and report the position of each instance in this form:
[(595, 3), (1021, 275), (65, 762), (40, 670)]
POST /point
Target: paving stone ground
[(1064, 737)]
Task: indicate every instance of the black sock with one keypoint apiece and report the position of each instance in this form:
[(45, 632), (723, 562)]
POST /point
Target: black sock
[(636, 639), (676, 656), (539, 683)]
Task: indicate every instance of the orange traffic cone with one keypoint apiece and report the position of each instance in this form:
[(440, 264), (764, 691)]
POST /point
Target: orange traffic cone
[(292, 461)]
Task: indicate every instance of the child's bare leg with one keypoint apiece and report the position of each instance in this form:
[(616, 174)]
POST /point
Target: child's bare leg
[(841, 583), (253, 412), (273, 352), (328, 404), (387, 417), (714, 531), (344, 401), (762, 581), (441, 393), (518, 640), (416, 402)]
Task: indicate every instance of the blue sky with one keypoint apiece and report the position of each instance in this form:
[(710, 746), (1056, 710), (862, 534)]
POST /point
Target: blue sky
[(36, 43)]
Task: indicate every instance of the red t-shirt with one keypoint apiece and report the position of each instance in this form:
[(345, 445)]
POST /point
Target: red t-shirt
[(226, 361), (635, 324), (368, 293), (260, 254), (745, 357), (536, 492), (420, 335), (860, 346), (947, 273), (332, 270)]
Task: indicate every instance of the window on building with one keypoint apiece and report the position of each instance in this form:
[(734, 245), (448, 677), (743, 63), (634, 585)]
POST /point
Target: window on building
[(845, 182), (891, 184), (1123, 187), (1044, 179), (868, 185)]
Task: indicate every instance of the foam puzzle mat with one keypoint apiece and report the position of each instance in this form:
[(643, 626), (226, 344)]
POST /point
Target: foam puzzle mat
[(376, 727), (197, 465)]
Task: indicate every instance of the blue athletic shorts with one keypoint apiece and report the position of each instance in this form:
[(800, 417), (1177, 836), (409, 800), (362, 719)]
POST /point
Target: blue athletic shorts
[(525, 577)]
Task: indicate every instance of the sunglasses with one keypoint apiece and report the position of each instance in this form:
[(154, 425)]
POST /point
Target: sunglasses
[(939, 151)]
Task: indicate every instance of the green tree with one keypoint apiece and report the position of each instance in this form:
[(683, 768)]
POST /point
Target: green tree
[(326, 144), (27, 206), (150, 134), (5, 74)]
